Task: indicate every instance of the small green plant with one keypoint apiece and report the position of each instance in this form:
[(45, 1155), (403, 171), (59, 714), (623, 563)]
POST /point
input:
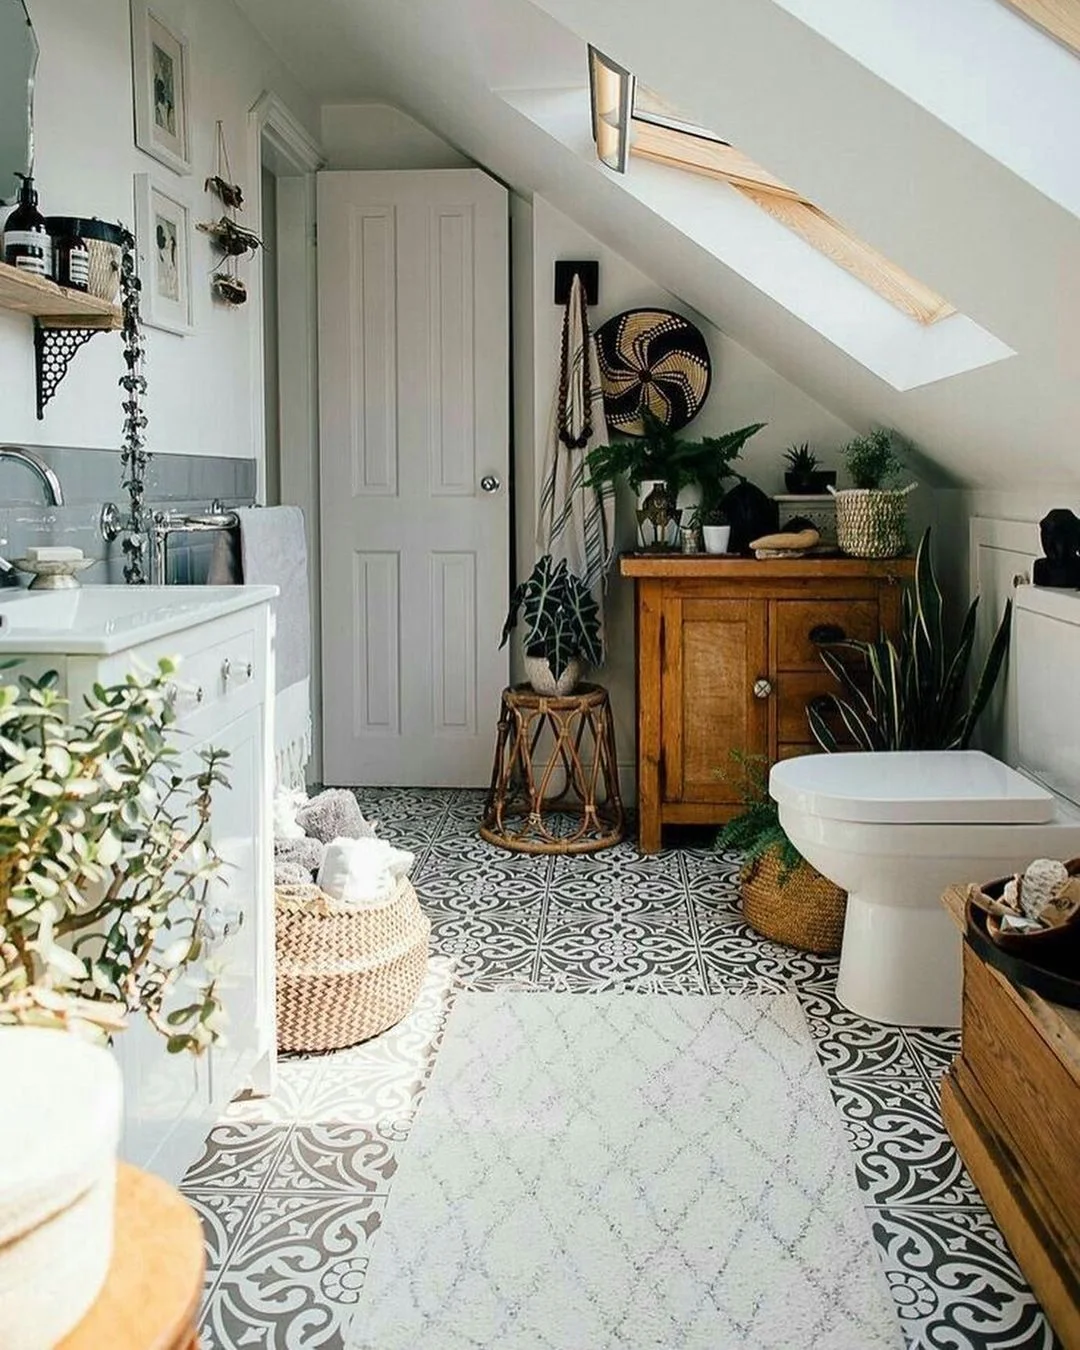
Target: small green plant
[(801, 459), (713, 515), (561, 617), (756, 831), (104, 862), (872, 460), (911, 695)]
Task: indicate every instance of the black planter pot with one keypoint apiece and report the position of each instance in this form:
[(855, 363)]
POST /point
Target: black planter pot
[(811, 484)]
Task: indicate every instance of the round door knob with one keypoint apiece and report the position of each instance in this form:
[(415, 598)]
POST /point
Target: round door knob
[(762, 688), (490, 483)]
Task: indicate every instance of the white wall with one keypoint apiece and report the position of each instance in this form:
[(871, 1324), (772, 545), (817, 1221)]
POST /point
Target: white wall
[(201, 387), (372, 135), (744, 390)]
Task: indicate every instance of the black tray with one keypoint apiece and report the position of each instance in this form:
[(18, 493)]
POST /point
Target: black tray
[(1050, 983)]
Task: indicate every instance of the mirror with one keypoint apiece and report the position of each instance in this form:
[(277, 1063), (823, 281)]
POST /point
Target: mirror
[(18, 61)]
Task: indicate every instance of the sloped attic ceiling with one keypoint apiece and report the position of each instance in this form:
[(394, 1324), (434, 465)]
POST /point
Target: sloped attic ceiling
[(936, 203)]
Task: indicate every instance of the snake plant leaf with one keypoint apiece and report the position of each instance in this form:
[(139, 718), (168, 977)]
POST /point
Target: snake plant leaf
[(992, 666)]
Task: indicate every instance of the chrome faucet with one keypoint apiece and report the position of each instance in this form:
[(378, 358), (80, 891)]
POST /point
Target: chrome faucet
[(54, 494)]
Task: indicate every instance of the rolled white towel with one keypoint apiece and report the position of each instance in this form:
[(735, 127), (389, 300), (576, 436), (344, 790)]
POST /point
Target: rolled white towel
[(287, 802), (362, 872)]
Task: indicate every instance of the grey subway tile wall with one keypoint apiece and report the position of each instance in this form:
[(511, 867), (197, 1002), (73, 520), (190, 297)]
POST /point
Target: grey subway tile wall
[(89, 479)]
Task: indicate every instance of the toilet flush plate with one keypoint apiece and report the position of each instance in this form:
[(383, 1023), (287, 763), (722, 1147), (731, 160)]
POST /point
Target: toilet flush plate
[(911, 787)]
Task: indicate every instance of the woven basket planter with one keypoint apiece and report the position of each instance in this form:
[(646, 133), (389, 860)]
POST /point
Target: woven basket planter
[(872, 522), (805, 911), (344, 975)]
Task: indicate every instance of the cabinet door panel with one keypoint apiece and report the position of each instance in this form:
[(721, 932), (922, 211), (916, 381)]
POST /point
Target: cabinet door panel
[(714, 650), (793, 693)]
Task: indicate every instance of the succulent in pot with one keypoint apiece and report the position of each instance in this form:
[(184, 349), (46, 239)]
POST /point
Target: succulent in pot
[(715, 528), (562, 626), (803, 475), (871, 516)]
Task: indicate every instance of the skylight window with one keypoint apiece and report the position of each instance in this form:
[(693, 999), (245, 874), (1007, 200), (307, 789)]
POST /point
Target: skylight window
[(645, 126)]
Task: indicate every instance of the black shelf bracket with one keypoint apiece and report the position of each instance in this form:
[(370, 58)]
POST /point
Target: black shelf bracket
[(54, 349)]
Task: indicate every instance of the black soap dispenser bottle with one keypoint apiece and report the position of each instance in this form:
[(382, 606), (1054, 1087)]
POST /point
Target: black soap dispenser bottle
[(26, 241)]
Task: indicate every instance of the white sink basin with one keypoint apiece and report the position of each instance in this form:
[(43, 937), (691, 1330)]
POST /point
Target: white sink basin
[(100, 620)]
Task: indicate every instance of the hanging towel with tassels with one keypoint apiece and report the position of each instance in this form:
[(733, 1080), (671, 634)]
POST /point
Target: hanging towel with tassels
[(576, 521)]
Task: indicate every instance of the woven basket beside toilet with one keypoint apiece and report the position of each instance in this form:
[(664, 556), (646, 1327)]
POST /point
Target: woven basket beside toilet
[(803, 909), (345, 974)]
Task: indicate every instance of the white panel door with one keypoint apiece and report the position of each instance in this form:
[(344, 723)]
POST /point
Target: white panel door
[(414, 460)]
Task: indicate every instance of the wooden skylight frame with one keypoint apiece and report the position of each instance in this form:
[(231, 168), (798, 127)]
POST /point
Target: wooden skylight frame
[(653, 130), (1059, 18)]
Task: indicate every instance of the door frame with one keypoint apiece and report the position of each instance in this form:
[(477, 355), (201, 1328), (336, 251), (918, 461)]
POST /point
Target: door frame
[(279, 142)]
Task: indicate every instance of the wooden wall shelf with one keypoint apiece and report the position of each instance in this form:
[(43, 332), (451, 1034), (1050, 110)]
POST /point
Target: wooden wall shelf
[(52, 305)]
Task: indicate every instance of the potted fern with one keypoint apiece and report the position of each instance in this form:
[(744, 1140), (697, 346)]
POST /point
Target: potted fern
[(782, 896), (871, 515), (562, 627), (913, 694)]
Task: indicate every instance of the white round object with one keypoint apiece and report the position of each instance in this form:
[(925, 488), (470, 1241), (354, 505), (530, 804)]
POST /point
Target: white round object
[(58, 1147), (926, 787), (717, 538)]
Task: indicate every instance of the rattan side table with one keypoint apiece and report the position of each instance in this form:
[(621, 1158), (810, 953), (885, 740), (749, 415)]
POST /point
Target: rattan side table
[(567, 800)]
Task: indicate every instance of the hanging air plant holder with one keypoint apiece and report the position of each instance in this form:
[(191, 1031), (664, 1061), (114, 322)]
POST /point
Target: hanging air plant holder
[(233, 241)]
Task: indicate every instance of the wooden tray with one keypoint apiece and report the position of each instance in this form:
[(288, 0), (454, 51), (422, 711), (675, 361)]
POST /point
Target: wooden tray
[(1058, 981)]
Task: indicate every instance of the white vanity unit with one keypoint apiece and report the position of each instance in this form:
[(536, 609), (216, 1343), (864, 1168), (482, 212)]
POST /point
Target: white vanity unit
[(222, 637)]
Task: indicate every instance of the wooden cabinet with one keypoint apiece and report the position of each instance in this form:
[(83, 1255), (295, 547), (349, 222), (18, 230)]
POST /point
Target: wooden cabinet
[(728, 657), (1011, 1100)]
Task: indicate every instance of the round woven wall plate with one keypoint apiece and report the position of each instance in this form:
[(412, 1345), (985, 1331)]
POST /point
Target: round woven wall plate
[(652, 358)]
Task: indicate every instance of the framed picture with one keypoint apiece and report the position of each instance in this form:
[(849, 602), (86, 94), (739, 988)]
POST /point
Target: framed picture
[(163, 243), (159, 58)]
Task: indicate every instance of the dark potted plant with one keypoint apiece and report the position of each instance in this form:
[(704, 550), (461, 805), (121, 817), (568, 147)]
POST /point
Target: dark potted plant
[(562, 626), (782, 896), (803, 477), (914, 694), (871, 515)]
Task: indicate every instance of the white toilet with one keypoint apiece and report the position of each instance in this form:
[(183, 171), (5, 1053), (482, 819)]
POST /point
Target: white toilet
[(895, 829)]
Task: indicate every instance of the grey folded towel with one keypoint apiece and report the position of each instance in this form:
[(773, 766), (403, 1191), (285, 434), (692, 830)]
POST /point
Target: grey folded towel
[(334, 814), (308, 853), (274, 553)]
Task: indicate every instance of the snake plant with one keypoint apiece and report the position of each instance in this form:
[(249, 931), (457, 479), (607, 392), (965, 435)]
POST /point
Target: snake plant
[(561, 617), (912, 694)]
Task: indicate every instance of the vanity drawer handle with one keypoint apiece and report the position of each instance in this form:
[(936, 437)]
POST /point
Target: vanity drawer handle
[(227, 669), (823, 633), (174, 691)]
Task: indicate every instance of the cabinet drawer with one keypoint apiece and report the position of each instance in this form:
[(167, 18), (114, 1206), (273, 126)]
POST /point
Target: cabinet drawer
[(220, 673), (793, 693), (802, 626)]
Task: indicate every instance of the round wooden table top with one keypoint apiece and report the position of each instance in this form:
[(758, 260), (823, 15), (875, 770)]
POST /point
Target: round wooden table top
[(151, 1296)]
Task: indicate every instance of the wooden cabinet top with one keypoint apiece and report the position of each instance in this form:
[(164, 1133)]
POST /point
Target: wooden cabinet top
[(729, 567)]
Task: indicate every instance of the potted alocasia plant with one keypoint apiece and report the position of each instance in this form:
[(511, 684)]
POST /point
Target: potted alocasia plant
[(871, 515), (562, 626), (913, 694)]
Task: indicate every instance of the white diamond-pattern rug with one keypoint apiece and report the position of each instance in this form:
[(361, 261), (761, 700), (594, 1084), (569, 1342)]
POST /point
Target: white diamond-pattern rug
[(625, 1170)]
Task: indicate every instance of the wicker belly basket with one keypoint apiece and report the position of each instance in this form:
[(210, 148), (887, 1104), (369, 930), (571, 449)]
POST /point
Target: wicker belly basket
[(344, 975), (806, 910)]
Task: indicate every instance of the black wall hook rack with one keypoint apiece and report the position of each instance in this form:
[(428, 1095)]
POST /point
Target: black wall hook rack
[(589, 272)]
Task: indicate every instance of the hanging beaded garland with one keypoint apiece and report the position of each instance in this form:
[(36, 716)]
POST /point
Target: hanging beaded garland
[(134, 456)]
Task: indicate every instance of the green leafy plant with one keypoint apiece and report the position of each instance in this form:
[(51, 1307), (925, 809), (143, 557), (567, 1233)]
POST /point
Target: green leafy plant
[(872, 460), (756, 831), (713, 515), (914, 694), (676, 462), (104, 862), (561, 617), (800, 458)]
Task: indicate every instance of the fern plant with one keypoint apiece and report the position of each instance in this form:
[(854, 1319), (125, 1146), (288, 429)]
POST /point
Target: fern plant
[(756, 831), (912, 694), (561, 617)]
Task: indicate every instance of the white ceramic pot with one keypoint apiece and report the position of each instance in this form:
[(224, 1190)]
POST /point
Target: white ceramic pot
[(59, 1133), (538, 673), (717, 538)]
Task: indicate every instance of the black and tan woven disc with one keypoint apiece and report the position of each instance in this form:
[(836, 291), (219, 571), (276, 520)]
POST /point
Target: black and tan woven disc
[(652, 358)]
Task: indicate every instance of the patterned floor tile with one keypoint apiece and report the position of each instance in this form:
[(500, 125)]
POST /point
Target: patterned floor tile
[(955, 1283), (291, 1189)]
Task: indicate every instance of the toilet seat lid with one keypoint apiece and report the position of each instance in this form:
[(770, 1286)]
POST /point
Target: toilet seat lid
[(911, 787)]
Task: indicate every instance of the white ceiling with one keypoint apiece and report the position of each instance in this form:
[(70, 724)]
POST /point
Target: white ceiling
[(940, 205)]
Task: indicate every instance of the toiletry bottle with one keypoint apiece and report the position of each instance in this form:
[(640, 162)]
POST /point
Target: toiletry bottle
[(71, 258), (27, 245)]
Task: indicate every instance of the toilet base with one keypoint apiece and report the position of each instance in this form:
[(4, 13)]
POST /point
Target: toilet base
[(900, 964)]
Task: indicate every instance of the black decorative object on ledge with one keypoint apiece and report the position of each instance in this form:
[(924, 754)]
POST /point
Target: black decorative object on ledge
[(1059, 531)]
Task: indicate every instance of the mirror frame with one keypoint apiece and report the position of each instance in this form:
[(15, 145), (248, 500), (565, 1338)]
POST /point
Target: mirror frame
[(7, 196)]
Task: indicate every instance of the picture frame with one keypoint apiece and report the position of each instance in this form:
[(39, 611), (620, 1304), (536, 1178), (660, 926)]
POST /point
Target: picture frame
[(163, 247), (160, 83)]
